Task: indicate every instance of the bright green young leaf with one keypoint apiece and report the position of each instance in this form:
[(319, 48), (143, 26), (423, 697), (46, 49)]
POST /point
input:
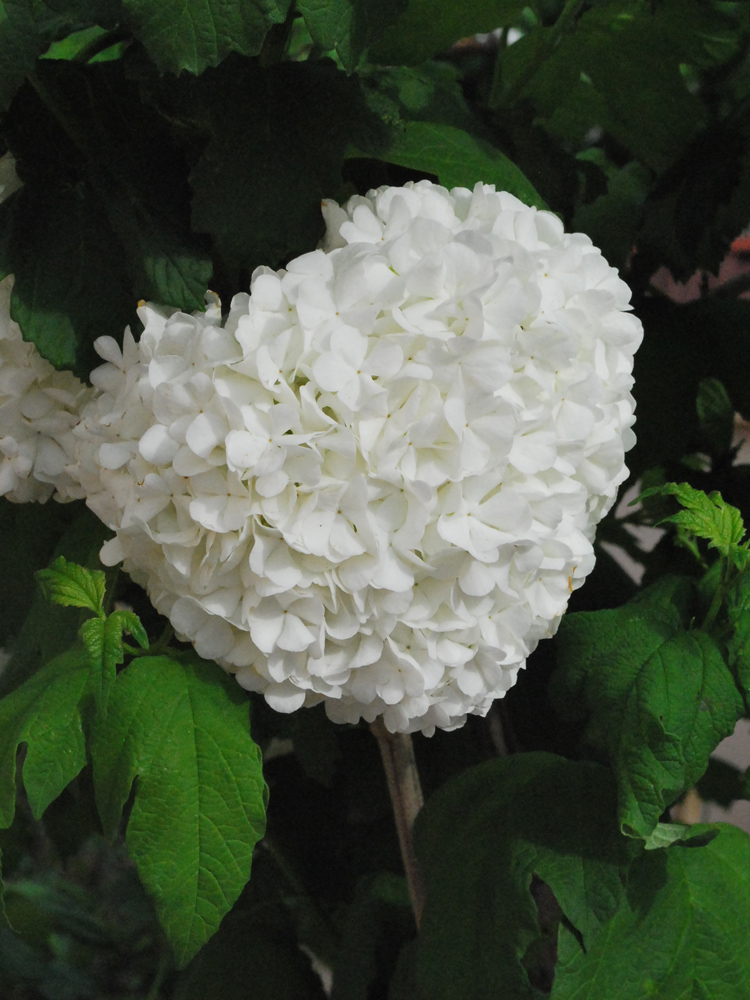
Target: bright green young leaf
[(430, 26), (680, 933), (44, 714), (715, 415), (480, 838), (457, 158), (182, 729), (704, 515), (260, 198), (72, 585), (102, 638), (194, 34), (659, 700), (348, 27)]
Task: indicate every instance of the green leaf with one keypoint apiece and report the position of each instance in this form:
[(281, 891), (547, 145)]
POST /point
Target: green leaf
[(28, 26), (704, 515), (659, 699), (457, 158), (348, 27), (4, 922), (681, 931), (194, 34), (102, 638), (738, 643), (44, 714), (72, 585), (430, 26), (481, 837), (715, 416), (666, 834), (260, 198), (181, 728)]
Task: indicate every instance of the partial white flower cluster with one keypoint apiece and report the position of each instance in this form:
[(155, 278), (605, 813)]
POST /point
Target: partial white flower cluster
[(377, 483), (39, 407)]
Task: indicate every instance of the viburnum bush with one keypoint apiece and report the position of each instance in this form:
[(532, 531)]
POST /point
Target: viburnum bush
[(324, 327)]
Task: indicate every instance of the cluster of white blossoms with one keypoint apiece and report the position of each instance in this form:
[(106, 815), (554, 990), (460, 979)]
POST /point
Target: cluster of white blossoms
[(376, 482), (39, 406)]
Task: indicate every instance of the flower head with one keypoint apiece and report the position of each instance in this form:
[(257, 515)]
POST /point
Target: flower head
[(377, 483)]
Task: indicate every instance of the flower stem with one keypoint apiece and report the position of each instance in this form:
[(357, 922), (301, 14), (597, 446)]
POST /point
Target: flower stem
[(406, 797)]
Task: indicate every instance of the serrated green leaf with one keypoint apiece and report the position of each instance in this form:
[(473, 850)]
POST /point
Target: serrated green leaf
[(681, 931), (72, 585), (704, 515), (659, 700), (194, 34), (182, 729), (260, 198), (457, 158), (738, 643), (102, 638), (480, 838), (44, 714), (715, 416), (348, 27), (430, 26), (666, 834)]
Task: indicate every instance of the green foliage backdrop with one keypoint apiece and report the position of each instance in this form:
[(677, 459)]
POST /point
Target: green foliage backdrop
[(171, 146)]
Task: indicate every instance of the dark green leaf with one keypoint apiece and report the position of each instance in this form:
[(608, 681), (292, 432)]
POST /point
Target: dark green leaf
[(348, 27), (715, 416), (457, 158), (612, 219), (194, 34), (481, 837), (28, 26), (260, 198), (182, 729), (44, 714), (165, 266), (660, 700), (71, 286), (681, 931), (72, 585), (429, 26), (738, 643)]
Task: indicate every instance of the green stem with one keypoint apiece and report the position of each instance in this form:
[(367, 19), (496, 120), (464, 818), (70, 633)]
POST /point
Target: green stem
[(564, 23)]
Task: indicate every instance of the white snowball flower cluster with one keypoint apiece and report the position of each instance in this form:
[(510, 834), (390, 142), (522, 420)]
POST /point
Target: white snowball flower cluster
[(377, 483)]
